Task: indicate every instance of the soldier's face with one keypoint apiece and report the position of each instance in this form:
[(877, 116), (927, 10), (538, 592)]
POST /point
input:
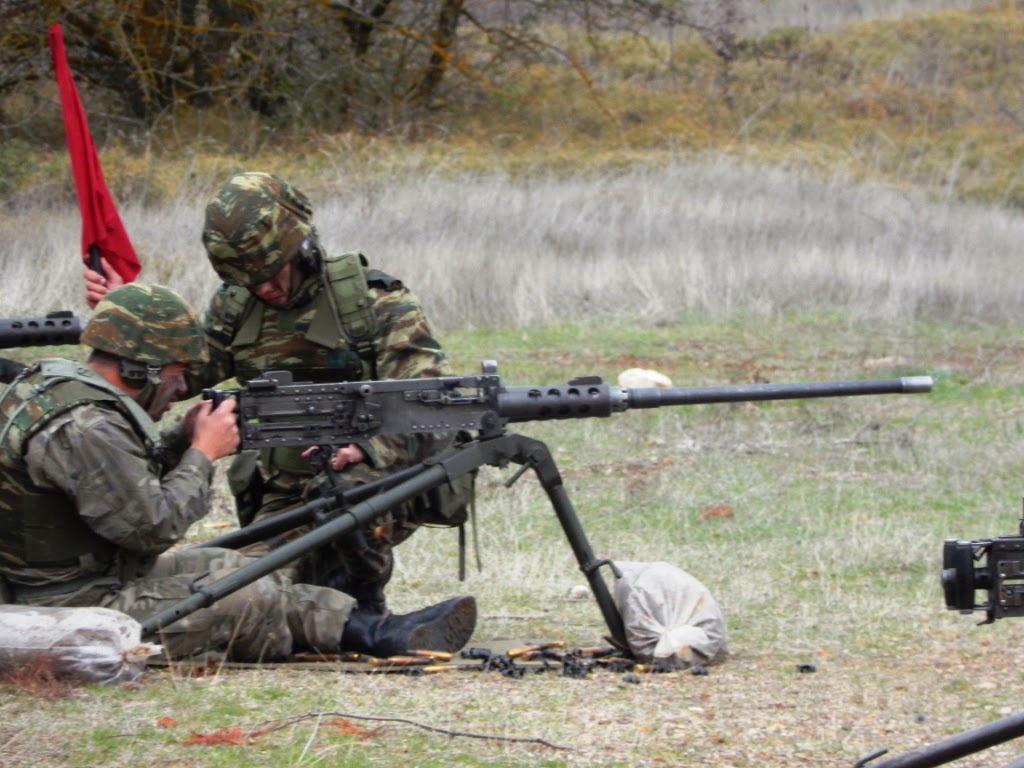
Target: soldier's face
[(166, 393), (279, 288)]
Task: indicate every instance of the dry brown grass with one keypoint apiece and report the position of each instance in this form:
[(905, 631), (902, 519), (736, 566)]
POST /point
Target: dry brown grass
[(37, 679), (708, 237)]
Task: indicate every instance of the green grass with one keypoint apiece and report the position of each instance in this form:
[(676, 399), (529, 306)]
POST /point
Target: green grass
[(831, 556), (839, 507)]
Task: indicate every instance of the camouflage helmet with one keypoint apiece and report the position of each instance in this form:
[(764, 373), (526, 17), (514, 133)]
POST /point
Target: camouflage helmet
[(254, 226), (146, 324)]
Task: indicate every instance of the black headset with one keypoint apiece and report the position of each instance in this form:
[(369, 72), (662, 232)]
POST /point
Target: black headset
[(311, 255), (137, 374)]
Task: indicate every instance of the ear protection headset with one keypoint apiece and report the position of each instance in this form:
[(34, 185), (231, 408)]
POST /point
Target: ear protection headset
[(311, 256), (137, 374)]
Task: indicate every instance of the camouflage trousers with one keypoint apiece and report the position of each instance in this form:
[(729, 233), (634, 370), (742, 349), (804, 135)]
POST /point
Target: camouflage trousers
[(268, 619), (360, 563)]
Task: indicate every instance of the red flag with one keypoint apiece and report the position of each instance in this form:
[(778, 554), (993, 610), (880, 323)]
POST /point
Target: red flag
[(103, 234)]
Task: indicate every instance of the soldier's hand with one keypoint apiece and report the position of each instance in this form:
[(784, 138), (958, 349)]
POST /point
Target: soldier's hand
[(216, 431), (350, 454), (97, 285)]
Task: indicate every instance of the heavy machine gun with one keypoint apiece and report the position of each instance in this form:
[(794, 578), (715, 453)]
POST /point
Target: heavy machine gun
[(61, 327), (275, 411)]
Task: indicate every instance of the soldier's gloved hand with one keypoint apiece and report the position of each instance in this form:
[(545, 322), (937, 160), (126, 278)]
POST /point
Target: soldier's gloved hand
[(214, 432), (97, 285)]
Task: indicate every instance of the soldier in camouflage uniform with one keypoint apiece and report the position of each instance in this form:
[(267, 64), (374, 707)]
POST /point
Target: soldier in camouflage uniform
[(285, 305), (92, 496)]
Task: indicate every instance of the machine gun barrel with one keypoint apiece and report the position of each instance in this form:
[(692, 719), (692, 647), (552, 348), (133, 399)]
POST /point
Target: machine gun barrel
[(655, 398), (589, 396), (61, 327)]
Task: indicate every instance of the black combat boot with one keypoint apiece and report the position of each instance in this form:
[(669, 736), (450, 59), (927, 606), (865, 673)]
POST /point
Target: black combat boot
[(446, 626)]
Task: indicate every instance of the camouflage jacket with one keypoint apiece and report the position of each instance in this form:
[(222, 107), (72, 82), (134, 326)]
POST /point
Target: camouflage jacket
[(285, 339), (93, 455)]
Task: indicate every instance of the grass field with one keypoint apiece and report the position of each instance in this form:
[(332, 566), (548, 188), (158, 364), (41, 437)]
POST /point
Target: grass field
[(817, 525), (818, 16), (829, 556)]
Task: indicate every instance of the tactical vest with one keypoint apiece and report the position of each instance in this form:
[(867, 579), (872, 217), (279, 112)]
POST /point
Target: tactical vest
[(40, 528), (333, 338)]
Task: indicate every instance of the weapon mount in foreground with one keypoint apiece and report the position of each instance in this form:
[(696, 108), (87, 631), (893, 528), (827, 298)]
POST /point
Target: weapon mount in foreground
[(954, 747), (994, 566)]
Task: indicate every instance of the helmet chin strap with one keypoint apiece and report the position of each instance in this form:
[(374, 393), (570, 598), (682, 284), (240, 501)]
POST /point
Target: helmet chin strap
[(311, 256)]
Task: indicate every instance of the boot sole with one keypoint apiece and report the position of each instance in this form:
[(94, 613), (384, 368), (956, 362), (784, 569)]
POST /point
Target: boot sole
[(449, 632)]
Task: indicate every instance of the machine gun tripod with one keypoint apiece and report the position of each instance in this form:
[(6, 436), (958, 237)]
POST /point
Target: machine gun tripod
[(274, 411), (341, 515)]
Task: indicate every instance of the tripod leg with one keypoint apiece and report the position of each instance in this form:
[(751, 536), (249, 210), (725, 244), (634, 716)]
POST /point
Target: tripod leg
[(543, 463)]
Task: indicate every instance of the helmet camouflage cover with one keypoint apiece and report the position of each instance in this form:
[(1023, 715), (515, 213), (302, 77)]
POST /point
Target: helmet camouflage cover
[(147, 324), (254, 226)]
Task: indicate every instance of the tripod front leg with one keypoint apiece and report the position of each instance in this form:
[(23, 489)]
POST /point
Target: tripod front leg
[(537, 455)]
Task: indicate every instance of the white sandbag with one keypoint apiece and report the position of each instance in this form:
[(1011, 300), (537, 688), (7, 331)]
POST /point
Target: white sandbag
[(83, 645), (671, 619), (637, 378)]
